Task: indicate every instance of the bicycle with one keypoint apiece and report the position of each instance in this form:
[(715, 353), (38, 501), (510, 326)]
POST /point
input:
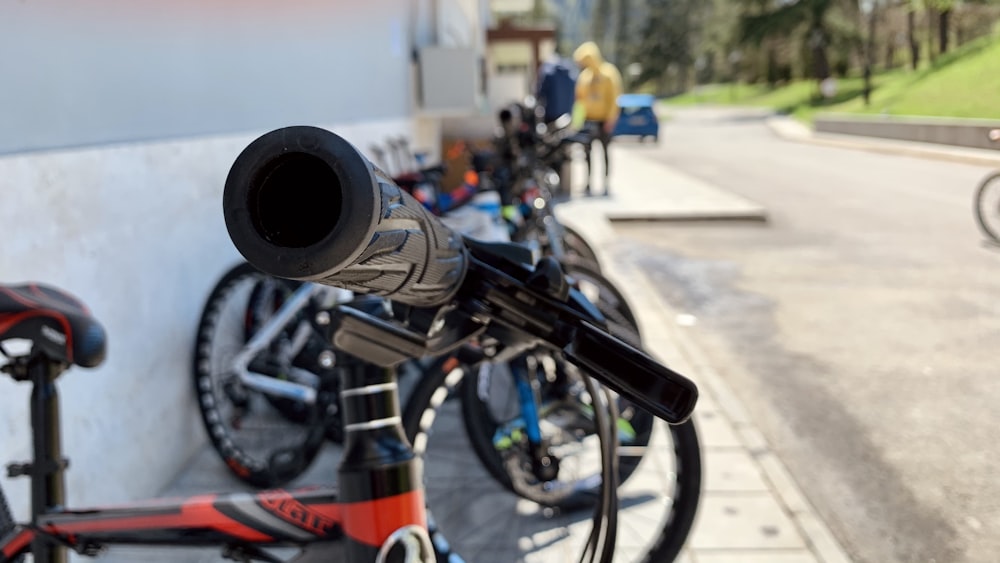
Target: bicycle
[(272, 228), (266, 377), (683, 490), (986, 202), (264, 435), (267, 382), (63, 333), (526, 158), (320, 210)]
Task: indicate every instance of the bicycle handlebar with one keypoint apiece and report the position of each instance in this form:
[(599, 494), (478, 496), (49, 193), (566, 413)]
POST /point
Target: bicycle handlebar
[(303, 203)]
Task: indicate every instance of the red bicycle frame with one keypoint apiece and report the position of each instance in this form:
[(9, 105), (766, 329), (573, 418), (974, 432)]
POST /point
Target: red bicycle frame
[(378, 504)]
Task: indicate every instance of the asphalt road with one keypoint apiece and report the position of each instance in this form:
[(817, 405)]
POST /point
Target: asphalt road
[(860, 325)]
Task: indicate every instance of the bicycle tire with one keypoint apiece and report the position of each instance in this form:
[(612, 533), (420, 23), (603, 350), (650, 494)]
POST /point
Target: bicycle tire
[(7, 523), (576, 247), (451, 475), (281, 441), (987, 206), (608, 299)]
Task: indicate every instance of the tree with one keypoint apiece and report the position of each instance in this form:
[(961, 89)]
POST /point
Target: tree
[(600, 19), (942, 9), (665, 47), (812, 20), (622, 17), (911, 35)]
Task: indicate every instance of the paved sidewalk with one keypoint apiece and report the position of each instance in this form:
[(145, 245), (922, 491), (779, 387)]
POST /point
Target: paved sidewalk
[(645, 190), (751, 509)]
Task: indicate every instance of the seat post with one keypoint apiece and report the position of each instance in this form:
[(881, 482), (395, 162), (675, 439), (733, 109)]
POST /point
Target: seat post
[(48, 486)]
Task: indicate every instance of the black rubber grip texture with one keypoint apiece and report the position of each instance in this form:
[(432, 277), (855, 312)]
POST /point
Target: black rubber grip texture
[(303, 203), (411, 257)]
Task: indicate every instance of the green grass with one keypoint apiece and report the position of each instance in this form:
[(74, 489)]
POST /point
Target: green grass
[(964, 83), (968, 86), (800, 98)]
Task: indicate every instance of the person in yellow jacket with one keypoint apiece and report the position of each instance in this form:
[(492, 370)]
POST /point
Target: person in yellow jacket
[(597, 89)]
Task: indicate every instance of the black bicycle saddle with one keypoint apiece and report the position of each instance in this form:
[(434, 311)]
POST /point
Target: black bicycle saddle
[(57, 324)]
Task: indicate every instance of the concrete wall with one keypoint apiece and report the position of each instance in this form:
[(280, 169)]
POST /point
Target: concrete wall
[(971, 133), (119, 125), (80, 73)]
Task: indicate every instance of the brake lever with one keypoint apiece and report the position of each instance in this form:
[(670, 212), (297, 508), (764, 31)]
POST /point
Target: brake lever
[(507, 298), (386, 343), (633, 374), (498, 291)]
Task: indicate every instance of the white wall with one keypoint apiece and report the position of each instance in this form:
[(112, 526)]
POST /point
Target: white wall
[(120, 123), (78, 73)]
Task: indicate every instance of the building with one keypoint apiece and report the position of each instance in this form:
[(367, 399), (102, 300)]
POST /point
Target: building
[(118, 123), (514, 54)]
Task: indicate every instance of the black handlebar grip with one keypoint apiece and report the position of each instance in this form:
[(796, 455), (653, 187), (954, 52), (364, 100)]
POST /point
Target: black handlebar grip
[(303, 203)]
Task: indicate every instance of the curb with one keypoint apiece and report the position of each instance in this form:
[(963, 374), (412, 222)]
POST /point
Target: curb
[(793, 131), (759, 216), (639, 289), (657, 192)]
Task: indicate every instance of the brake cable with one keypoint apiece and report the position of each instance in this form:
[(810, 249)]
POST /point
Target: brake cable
[(604, 529)]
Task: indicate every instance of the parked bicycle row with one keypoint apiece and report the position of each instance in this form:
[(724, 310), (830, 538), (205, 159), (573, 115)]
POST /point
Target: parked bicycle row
[(501, 331)]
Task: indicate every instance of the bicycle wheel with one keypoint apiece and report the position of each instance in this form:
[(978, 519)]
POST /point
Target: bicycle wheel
[(491, 411), (987, 206), (264, 440), (484, 521)]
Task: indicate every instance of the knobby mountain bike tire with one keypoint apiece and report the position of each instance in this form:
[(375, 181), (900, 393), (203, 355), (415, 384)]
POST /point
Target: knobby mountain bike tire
[(265, 441), (7, 522), (987, 206)]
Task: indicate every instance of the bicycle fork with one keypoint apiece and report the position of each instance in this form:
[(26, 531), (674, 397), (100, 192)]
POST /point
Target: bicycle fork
[(544, 465)]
